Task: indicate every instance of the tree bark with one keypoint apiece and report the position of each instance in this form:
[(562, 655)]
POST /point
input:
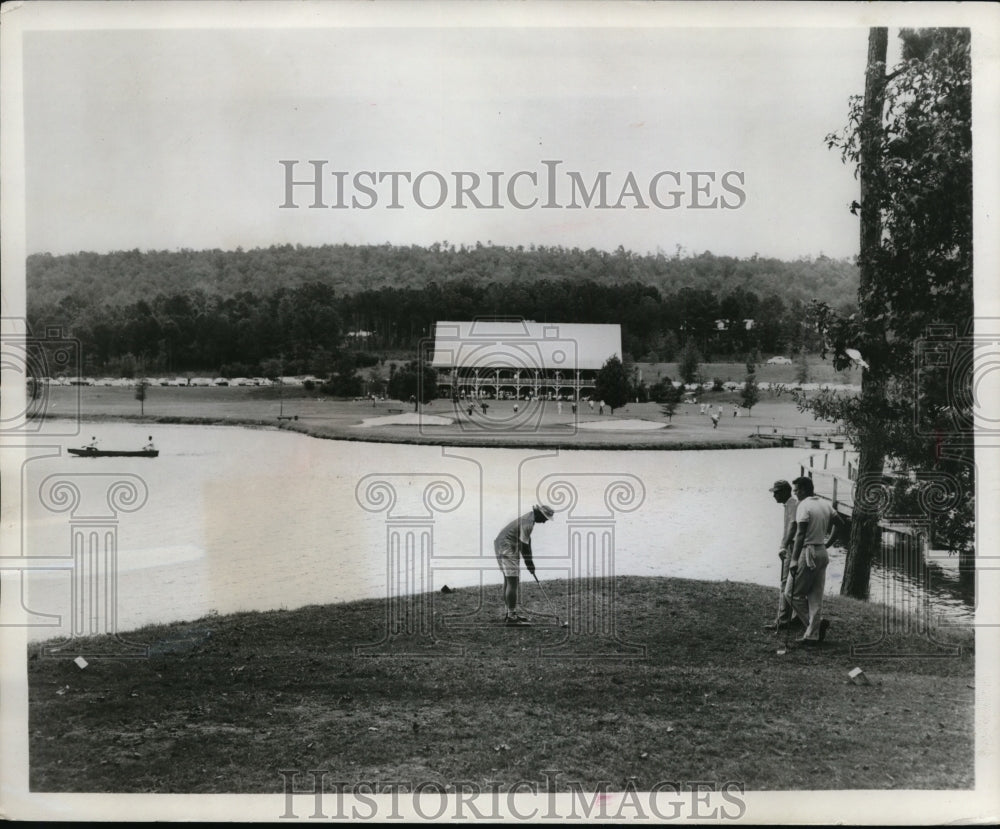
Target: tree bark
[(865, 533)]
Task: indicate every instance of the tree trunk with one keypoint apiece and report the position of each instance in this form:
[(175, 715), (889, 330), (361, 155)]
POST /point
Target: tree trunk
[(865, 534), (967, 564)]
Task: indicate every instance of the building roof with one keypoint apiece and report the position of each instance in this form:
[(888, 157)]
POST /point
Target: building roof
[(525, 345)]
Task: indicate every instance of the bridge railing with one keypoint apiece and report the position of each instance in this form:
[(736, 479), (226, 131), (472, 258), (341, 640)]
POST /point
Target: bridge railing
[(833, 474), (812, 436)]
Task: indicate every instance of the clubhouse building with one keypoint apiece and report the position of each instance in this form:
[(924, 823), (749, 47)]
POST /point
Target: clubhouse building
[(521, 359)]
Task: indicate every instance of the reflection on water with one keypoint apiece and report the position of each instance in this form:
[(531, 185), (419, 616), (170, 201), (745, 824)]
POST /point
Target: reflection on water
[(909, 576), (243, 519)]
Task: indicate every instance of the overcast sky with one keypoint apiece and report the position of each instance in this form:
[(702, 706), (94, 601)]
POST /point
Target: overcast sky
[(171, 138)]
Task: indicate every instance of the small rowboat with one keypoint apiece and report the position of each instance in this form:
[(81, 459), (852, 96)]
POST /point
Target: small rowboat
[(113, 453)]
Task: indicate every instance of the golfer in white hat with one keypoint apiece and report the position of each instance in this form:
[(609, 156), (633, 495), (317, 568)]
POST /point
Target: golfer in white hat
[(513, 543)]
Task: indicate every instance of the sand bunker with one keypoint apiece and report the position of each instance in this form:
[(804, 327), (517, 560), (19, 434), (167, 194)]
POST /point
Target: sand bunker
[(409, 419), (622, 425)]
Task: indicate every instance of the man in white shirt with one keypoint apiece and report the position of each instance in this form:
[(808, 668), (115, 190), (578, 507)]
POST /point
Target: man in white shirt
[(813, 518)]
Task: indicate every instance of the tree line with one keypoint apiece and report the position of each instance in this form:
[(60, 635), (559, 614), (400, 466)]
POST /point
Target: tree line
[(311, 329), (121, 277)]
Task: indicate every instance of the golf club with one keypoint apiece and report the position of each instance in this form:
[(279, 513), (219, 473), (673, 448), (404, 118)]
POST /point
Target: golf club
[(549, 602), (788, 624), (781, 651), (784, 648)]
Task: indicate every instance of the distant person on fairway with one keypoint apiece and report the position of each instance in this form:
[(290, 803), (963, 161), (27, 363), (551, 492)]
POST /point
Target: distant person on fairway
[(782, 492), (513, 543), (814, 517), (715, 420)]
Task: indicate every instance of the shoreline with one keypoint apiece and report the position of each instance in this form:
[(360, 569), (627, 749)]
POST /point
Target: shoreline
[(615, 441), (334, 419), (877, 608), (620, 441)]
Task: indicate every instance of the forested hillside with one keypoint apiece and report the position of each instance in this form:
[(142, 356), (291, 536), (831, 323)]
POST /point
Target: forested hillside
[(125, 276), (204, 310)]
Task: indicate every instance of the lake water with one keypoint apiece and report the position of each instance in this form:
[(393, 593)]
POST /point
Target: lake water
[(244, 519)]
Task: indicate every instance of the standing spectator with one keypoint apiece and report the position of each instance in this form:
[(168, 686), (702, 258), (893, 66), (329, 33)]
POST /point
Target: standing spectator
[(813, 518), (600, 407), (782, 492), (559, 406), (715, 419)]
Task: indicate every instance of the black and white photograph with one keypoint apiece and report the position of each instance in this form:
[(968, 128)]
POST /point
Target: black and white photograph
[(511, 411)]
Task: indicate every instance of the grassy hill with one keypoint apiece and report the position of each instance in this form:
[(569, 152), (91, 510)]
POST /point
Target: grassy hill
[(692, 689)]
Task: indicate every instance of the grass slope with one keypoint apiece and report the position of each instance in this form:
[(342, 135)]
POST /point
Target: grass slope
[(223, 704)]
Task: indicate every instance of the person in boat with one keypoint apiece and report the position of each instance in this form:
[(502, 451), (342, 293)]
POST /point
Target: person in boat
[(512, 544), (149, 447), (92, 444)]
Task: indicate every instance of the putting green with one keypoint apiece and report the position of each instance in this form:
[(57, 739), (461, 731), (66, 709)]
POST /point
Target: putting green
[(633, 425), (409, 419)]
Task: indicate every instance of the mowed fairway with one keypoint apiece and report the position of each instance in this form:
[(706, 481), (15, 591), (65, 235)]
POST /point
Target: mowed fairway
[(693, 689)]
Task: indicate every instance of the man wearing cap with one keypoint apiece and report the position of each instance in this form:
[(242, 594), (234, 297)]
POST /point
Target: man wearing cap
[(514, 542), (782, 492)]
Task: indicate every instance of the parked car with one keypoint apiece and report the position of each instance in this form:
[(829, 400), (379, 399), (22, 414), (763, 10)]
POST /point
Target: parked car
[(779, 361)]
